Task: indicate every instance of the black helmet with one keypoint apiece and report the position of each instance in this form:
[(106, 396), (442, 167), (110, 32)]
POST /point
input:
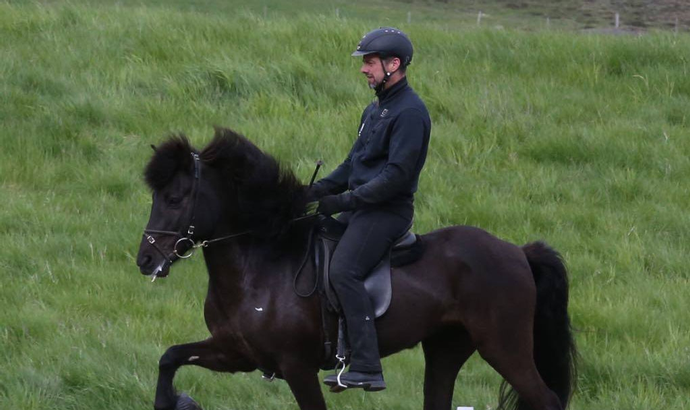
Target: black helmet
[(386, 42)]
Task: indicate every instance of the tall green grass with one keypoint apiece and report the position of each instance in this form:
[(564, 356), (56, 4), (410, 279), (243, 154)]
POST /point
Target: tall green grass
[(578, 140)]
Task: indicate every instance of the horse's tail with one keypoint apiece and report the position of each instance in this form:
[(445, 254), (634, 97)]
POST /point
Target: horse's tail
[(554, 348)]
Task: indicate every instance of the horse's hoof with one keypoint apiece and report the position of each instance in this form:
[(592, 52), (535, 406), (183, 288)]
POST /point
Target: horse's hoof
[(185, 402)]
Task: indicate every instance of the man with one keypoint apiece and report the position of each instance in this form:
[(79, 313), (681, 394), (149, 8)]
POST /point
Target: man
[(374, 188)]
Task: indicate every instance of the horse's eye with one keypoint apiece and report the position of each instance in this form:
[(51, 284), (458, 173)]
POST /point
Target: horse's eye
[(174, 200)]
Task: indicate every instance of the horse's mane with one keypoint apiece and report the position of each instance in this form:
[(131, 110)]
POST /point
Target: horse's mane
[(266, 196), (174, 155)]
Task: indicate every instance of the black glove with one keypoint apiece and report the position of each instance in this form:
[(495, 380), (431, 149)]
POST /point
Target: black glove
[(316, 192), (313, 195), (330, 204)]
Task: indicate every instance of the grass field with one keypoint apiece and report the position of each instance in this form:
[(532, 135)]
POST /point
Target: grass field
[(634, 15), (580, 140)]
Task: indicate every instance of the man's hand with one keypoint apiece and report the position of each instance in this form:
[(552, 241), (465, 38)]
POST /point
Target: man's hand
[(330, 204), (314, 193)]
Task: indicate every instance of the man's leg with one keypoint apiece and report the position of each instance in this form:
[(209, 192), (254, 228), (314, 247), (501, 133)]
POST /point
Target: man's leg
[(368, 237)]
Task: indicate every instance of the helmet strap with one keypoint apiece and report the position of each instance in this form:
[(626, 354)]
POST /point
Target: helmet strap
[(386, 75)]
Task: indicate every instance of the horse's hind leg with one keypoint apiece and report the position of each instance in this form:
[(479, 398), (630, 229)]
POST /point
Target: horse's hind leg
[(444, 353), (509, 351), (204, 354)]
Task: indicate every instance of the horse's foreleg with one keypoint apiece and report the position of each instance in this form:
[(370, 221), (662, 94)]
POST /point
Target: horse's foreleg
[(205, 354), (305, 386), (444, 354)]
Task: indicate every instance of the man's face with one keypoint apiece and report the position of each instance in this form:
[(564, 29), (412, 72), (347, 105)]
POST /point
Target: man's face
[(371, 68)]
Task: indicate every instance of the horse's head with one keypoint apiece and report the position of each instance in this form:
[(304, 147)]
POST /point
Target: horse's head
[(229, 188), (185, 206)]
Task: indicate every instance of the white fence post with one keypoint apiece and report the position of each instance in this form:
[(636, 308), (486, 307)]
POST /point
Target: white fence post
[(409, 17), (337, 13), (618, 20), (479, 18)]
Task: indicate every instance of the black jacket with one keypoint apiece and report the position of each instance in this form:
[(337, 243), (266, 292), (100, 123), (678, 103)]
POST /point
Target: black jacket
[(383, 166)]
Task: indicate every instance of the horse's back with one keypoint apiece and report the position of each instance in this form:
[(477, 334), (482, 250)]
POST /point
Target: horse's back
[(477, 249)]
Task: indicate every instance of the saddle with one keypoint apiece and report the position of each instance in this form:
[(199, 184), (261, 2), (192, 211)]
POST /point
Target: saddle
[(406, 249)]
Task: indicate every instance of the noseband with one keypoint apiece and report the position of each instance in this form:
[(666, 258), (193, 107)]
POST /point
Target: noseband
[(181, 237)]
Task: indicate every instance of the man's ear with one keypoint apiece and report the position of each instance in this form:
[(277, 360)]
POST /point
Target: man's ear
[(393, 65)]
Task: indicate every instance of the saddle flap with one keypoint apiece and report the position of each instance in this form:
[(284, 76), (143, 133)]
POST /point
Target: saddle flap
[(378, 286), (377, 283)]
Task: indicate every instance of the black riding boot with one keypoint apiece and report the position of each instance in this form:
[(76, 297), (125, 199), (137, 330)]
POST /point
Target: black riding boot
[(352, 379)]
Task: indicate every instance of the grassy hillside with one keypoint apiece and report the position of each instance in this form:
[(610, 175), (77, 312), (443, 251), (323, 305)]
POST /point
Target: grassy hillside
[(578, 140), (635, 15)]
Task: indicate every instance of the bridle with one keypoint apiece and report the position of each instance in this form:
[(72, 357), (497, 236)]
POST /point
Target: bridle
[(189, 237)]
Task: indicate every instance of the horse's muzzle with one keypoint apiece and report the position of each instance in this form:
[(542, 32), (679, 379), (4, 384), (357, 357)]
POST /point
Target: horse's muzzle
[(153, 264)]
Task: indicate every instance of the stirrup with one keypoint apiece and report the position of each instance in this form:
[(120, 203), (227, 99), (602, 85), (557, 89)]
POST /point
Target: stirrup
[(341, 360)]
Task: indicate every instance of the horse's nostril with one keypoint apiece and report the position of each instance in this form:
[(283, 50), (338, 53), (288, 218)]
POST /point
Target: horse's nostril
[(146, 260)]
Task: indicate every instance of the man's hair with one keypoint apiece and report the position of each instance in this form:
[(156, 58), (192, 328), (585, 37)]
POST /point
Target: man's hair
[(402, 68)]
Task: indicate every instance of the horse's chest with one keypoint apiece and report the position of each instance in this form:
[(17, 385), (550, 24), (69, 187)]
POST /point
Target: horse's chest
[(257, 322), (246, 320)]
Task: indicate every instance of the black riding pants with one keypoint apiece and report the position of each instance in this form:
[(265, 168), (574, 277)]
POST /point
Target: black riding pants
[(369, 235)]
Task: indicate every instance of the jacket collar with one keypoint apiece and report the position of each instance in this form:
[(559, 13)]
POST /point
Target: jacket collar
[(395, 89)]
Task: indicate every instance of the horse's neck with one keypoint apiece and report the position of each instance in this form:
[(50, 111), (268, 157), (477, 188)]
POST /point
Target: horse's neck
[(229, 265), (243, 266)]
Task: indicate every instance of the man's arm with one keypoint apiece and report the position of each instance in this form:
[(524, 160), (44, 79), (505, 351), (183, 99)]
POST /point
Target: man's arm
[(337, 181), (406, 144)]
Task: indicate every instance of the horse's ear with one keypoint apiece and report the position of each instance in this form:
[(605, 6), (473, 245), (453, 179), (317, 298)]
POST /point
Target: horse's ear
[(153, 147)]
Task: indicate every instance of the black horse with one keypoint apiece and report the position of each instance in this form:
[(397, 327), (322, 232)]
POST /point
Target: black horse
[(470, 291)]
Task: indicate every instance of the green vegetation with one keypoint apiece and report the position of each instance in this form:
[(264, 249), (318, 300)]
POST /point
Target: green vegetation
[(578, 140), (635, 15)]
